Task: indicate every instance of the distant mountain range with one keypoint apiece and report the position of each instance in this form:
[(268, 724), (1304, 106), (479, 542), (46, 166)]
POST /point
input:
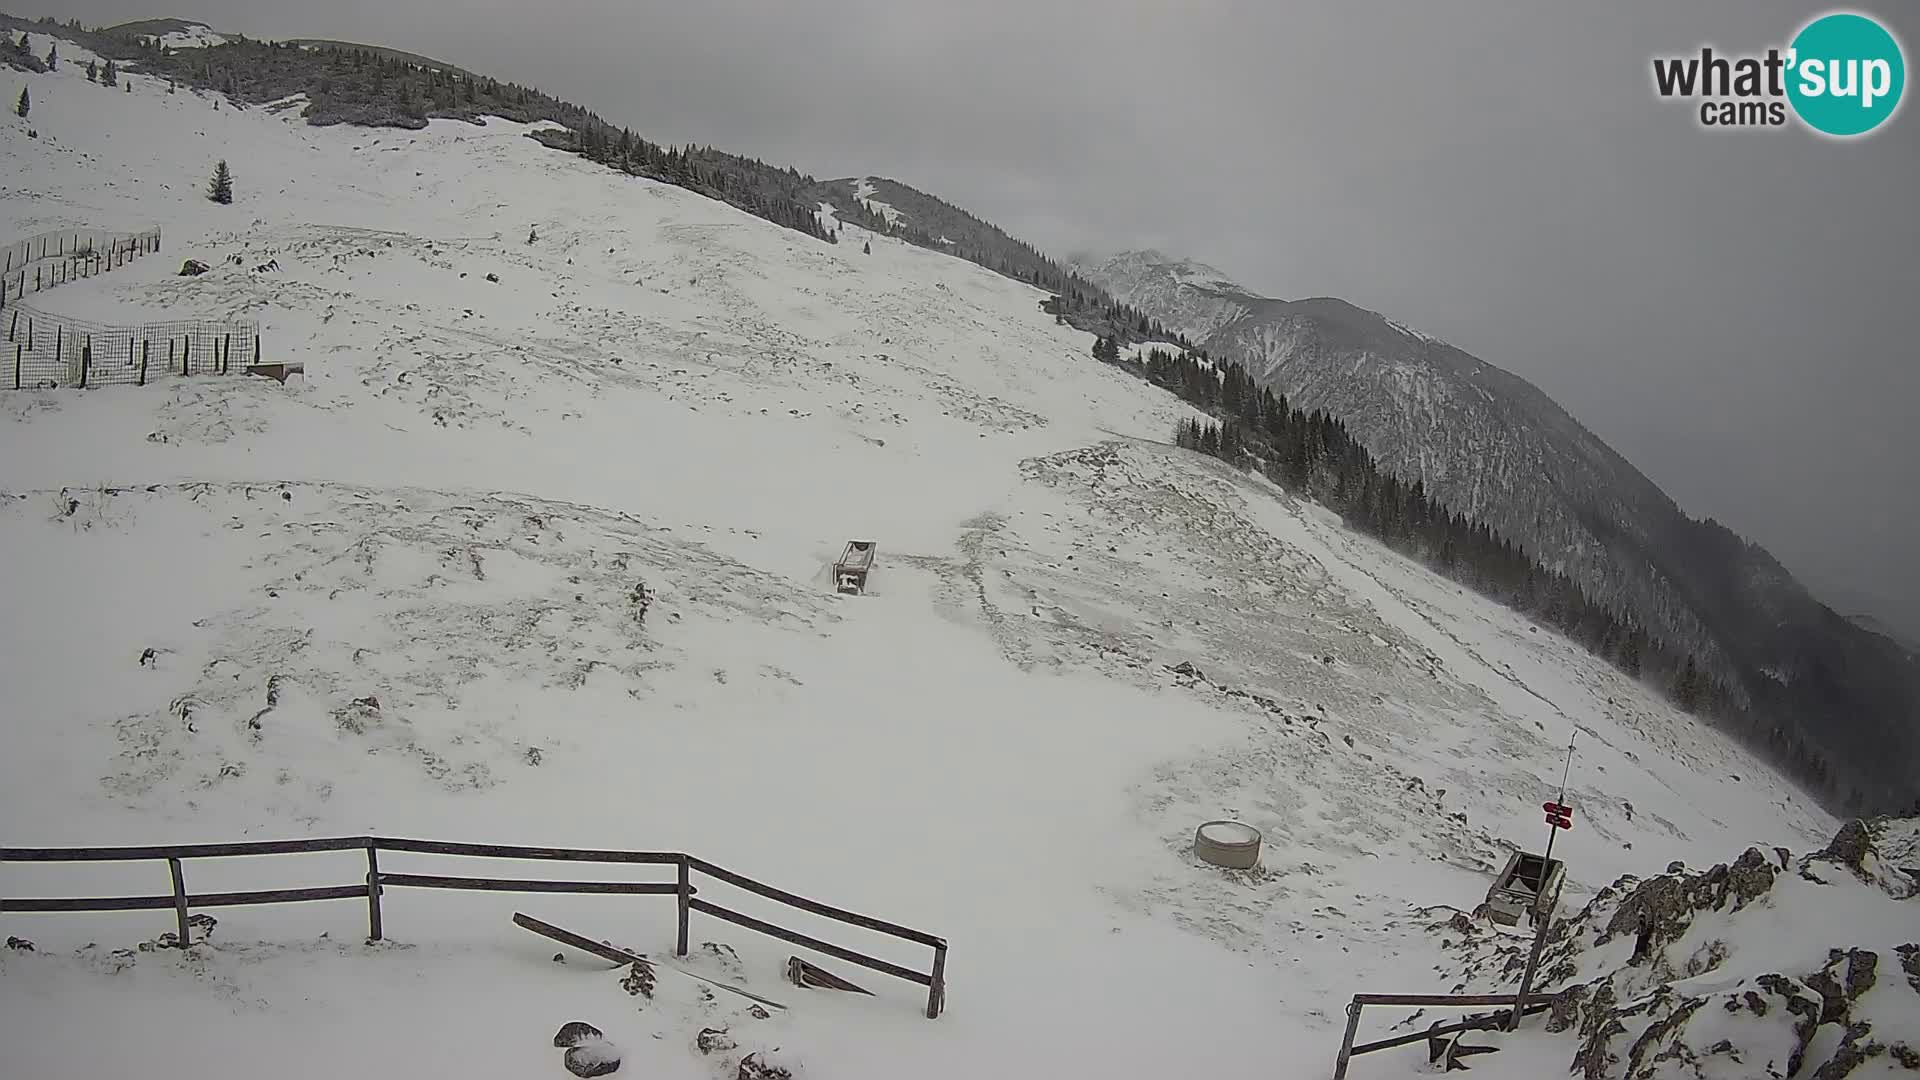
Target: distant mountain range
[(1492, 445)]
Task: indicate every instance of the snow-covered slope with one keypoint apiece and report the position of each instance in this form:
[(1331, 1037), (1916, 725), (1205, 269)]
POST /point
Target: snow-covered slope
[(1491, 445), (543, 560)]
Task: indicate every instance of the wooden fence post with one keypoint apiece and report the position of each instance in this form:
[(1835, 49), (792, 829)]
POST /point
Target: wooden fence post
[(59, 333), (226, 361), (179, 899), (256, 350), (686, 897), (937, 990), (143, 361), (373, 893), (86, 361), (1346, 1043), (17, 346)]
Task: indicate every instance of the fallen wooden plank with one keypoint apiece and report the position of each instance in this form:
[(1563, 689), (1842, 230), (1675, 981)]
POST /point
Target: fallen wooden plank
[(800, 973), (624, 957), (729, 987), (617, 956)]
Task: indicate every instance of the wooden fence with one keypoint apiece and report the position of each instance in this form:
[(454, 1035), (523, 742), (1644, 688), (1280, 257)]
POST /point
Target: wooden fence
[(51, 259), (51, 351), (1518, 1005), (682, 888)]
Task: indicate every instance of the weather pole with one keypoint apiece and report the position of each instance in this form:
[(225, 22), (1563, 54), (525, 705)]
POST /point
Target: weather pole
[(1559, 816)]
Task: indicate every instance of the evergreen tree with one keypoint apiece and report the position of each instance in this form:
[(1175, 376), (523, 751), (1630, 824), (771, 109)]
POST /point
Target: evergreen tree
[(220, 190), (109, 74), (1689, 690), (24, 105), (866, 248), (93, 71), (53, 57)]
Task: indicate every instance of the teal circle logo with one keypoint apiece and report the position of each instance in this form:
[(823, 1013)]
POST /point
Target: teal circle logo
[(1846, 74)]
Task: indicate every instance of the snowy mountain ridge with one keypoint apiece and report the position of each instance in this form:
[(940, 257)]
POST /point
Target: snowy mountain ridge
[(537, 550), (1491, 445)]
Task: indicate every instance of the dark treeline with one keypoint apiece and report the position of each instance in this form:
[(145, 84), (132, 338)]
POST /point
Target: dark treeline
[(358, 85), (938, 225), (1312, 454)]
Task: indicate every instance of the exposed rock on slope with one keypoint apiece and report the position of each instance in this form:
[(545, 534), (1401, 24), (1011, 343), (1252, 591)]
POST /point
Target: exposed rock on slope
[(1768, 966)]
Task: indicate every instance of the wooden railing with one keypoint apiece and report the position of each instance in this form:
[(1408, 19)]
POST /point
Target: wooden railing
[(682, 888), (1520, 1005)]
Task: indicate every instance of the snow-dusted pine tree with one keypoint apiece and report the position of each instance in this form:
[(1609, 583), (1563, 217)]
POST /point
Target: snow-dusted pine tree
[(221, 189)]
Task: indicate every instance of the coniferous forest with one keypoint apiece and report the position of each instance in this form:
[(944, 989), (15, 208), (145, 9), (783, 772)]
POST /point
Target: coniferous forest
[(1312, 454)]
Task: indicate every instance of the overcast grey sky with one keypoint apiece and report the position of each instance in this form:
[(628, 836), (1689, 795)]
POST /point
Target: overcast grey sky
[(1736, 313)]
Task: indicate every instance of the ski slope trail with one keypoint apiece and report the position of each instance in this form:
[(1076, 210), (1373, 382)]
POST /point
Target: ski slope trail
[(569, 533)]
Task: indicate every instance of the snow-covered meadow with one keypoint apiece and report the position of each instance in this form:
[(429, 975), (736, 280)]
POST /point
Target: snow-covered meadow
[(455, 511)]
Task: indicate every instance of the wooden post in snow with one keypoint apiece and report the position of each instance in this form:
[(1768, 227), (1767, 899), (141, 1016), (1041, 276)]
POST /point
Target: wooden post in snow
[(373, 893), (937, 992), (86, 361), (179, 899), (145, 347), (686, 898)]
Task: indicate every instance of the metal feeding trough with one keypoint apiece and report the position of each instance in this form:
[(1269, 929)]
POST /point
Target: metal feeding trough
[(856, 562), (1228, 844), (1517, 892)]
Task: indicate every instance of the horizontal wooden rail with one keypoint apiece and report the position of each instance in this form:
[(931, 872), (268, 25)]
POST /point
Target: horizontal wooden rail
[(1490, 1022), (182, 851), (814, 943), (508, 851), (1462, 1000), (151, 903), (817, 908), (377, 881), (434, 881), (1348, 1050)]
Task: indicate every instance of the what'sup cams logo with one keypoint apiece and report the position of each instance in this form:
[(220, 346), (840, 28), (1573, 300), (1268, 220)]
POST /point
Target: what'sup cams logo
[(1842, 75)]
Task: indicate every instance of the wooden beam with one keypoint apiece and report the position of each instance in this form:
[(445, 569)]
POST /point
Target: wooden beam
[(179, 899), (622, 957), (804, 904), (436, 881), (180, 851), (802, 974), (502, 851), (612, 955), (813, 943)]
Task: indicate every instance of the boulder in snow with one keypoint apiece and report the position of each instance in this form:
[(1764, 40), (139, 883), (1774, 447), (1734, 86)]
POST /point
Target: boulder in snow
[(714, 1041), (594, 1057), (574, 1032), (193, 268)]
